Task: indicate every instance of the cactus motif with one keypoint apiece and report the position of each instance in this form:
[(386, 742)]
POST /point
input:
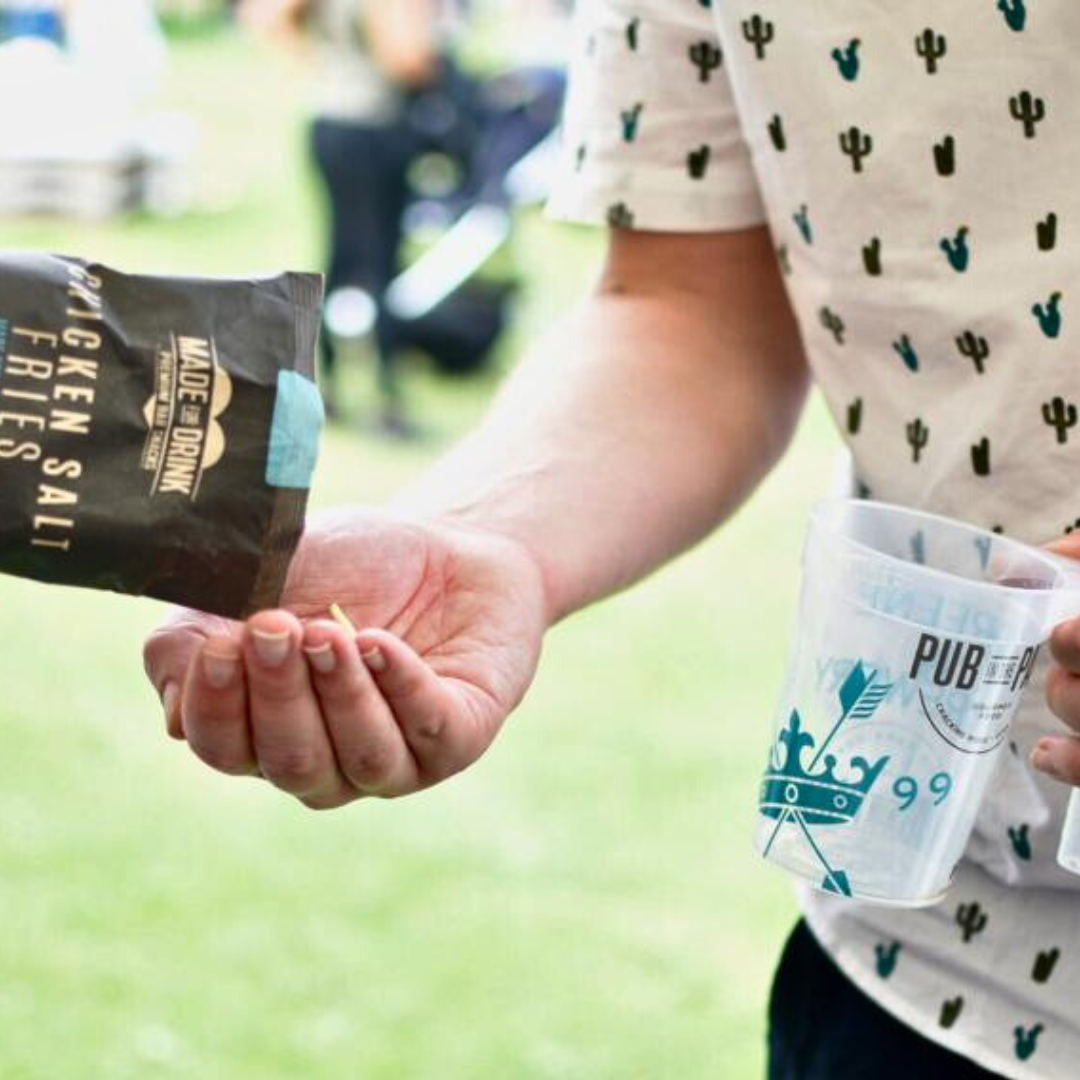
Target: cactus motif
[(1015, 13), (620, 216), (1027, 110), (1049, 316), (697, 162), (856, 146), (945, 156), (579, 157), (759, 32), (975, 348), (918, 435), (957, 250), (783, 256), (854, 416), (931, 47), (871, 254), (631, 122), (1021, 841), (971, 919), (633, 33), (950, 1012), (984, 546), (918, 548), (776, 133), (1046, 232), (1045, 963), (833, 323), (847, 60), (801, 217), (1060, 415), (907, 353), (887, 955), (706, 57), (1027, 1041), (980, 457)]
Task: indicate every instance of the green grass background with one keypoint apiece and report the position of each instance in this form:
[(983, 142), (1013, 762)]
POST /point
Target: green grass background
[(583, 904)]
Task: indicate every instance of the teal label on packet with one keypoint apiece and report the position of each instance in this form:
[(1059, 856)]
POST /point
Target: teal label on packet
[(294, 437)]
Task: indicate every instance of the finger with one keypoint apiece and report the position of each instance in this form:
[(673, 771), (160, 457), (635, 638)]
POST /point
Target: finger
[(439, 727), (168, 653), (1065, 645), (291, 742), (1063, 696), (1069, 546), (215, 708), (1058, 757), (370, 748)]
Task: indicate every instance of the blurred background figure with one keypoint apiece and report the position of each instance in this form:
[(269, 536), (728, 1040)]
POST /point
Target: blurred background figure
[(408, 144)]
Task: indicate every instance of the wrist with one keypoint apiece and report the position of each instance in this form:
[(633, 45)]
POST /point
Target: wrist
[(520, 541)]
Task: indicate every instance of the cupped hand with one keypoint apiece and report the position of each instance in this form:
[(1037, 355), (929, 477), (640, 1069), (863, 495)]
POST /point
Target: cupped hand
[(450, 626)]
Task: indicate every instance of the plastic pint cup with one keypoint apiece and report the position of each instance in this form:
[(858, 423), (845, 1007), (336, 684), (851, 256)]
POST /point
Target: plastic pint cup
[(916, 637)]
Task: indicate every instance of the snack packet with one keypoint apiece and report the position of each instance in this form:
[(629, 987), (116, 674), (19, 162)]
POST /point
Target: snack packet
[(158, 435)]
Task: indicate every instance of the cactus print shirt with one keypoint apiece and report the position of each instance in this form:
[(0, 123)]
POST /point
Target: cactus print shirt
[(916, 164)]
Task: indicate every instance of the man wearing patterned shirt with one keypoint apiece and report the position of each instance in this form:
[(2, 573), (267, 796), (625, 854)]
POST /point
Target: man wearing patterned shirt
[(882, 197)]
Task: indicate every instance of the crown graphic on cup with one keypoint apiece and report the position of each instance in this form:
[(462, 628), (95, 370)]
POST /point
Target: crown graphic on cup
[(819, 796)]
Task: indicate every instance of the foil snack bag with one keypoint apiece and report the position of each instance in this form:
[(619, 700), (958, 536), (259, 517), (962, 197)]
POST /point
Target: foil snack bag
[(158, 436)]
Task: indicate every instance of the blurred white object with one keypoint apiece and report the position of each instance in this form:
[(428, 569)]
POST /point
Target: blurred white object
[(469, 244), (119, 45), (530, 181), (350, 314), (80, 142)]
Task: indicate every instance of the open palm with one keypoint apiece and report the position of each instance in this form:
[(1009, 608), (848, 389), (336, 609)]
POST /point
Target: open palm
[(450, 624)]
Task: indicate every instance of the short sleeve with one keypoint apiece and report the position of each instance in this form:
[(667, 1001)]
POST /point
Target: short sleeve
[(651, 136)]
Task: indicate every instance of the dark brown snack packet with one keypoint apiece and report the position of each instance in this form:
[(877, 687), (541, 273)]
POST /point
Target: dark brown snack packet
[(157, 435)]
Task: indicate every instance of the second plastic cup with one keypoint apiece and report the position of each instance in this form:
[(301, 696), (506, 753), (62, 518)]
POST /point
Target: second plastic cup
[(916, 637)]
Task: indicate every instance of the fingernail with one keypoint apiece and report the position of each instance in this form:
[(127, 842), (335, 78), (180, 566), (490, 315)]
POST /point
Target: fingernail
[(169, 697), (375, 660), (1042, 758), (322, 657), (271, 649), (220, 669)]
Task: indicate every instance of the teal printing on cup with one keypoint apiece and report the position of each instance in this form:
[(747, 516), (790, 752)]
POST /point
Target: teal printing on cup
[(809, 796), (909, 661)]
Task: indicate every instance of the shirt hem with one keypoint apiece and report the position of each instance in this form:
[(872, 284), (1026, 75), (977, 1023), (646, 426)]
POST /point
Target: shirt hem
[(657, 211), (925, 1025)]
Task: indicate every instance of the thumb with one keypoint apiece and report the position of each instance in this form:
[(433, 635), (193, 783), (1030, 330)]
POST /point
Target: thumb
[(1068, 546)]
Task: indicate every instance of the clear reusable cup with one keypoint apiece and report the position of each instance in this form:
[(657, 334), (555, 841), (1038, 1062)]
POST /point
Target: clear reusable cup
[(916, 636)]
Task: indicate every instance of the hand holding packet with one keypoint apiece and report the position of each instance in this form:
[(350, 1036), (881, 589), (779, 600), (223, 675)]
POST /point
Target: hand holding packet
[(158, 436)]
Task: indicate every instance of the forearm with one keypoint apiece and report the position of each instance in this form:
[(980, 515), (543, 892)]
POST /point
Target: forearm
[(633, 429)]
